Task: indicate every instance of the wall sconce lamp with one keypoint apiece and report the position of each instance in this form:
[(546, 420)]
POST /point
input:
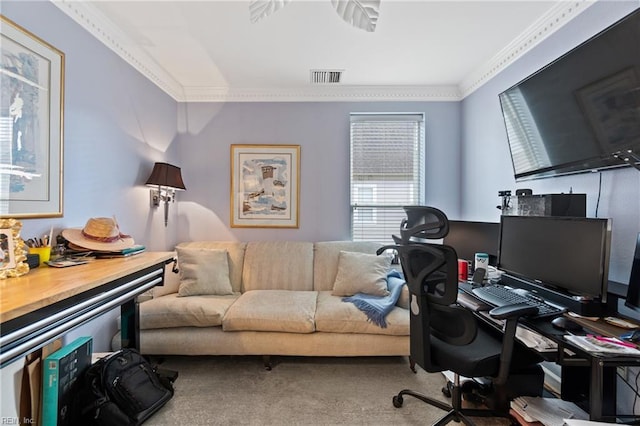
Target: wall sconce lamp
[(168, 179)]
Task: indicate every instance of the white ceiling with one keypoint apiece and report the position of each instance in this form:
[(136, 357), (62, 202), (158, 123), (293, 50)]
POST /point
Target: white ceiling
[(209, 50)]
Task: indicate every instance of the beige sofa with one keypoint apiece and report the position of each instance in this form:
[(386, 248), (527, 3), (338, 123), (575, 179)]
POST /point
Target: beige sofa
[(281, 303)]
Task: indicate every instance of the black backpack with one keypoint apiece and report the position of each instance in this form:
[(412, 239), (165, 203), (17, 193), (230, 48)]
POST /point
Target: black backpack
[(123, 389)]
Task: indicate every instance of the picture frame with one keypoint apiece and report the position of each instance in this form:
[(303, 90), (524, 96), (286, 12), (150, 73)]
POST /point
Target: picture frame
[(31, 143), (12, 250), (609, 106), (265, 186)]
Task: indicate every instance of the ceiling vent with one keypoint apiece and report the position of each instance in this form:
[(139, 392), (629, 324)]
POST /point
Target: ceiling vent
[(326, 76)]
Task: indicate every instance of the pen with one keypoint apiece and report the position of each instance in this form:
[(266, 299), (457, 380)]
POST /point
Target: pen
[(614, 341)]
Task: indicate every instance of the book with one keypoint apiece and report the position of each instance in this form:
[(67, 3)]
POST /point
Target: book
[(61, 371), (120, 253), (65, 262), (606, 345), (548, 411)]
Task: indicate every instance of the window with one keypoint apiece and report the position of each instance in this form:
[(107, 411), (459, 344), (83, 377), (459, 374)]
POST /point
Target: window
[(387, 172)]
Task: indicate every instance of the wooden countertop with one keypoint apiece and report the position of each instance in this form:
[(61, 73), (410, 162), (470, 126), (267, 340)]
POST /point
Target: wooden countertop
[(46, 285)]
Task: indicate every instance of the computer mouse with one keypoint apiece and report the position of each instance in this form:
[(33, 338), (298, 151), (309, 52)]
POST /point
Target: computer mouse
[(564, 323)]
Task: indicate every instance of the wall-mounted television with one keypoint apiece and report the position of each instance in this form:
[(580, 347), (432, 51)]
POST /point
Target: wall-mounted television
[(582, 111)]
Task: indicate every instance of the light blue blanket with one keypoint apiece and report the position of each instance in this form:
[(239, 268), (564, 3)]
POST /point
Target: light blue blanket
[(377, 307)]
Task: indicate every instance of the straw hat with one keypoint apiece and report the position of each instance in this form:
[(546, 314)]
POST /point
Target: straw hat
[(100, 234)]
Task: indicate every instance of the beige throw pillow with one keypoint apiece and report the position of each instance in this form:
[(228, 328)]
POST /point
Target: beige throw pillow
[(361, 273), (203, 271)]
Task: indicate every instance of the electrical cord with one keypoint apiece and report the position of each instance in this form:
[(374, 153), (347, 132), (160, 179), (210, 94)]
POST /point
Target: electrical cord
[(633, 410), (599, 192), (634, 389)]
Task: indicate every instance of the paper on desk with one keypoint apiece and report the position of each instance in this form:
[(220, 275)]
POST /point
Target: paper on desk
[(534, 340), (573, 314), (549, 411), (574, 422), (591, 345)]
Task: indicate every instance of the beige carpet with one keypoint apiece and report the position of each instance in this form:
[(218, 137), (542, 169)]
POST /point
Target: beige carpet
[(298, 391)]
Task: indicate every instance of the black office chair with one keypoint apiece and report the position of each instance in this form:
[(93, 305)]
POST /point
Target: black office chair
[(445, 336)]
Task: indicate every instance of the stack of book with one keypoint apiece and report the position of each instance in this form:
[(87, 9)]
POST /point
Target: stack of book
[(530, 410), (61, 373), (130, 251)]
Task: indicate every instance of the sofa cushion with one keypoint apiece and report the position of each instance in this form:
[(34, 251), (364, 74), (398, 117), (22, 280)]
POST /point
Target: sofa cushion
[(235, 257), (173, 311), (203, 271), (335, 316), (326, 256), (361, 273), (278, 265), (272, 310)]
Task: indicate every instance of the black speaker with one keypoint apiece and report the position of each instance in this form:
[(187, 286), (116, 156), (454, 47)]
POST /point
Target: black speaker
[(574, 205), (33, 260)]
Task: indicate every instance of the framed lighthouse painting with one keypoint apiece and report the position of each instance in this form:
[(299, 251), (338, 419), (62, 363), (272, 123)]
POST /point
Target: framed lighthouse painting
[(265, 186)]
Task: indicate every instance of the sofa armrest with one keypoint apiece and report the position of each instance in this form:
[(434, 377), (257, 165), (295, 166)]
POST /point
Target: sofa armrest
[(405, 298)]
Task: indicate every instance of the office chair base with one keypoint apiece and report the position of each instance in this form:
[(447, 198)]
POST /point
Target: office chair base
[(452, 414)]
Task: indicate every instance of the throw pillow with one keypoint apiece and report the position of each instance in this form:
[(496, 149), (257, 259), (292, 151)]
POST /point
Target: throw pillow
[(361, 273), (203, 271)]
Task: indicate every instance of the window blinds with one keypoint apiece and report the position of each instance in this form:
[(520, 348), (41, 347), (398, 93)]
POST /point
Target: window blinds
[(387, 172)]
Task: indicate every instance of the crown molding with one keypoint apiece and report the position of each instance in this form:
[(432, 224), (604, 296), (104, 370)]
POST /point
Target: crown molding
[(93, 21), (344, 93), (559, 15)]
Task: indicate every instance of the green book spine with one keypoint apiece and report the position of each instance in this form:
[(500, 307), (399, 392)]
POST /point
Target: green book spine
[(61, 370)]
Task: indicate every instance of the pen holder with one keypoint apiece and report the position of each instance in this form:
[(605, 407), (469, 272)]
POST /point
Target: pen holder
[(43, 252)]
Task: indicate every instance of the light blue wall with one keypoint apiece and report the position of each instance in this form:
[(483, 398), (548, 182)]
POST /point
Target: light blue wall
[(486, 164), (116, 125), (322, 131)]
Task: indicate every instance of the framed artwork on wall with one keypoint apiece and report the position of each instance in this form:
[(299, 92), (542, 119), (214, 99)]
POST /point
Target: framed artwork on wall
[(12, 250), (265, 186), (31, 123)]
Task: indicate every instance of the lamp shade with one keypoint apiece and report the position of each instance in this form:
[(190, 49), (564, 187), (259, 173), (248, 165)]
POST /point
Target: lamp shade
[(165, 174)]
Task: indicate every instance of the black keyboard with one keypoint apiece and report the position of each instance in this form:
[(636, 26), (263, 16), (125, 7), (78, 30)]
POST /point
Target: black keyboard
[(498, 295)]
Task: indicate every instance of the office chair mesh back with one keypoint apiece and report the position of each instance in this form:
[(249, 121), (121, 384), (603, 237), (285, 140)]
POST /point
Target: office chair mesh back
[(432, 278)]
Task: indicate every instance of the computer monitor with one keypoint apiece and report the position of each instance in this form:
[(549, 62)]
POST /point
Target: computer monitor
[(633, 291), (568, 255), (469, 238)]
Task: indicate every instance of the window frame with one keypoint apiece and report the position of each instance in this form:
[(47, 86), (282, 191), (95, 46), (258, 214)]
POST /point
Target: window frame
[(383, 212)]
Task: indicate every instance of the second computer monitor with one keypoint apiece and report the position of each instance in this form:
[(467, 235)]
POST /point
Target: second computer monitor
[(468, 238), (633, 291)]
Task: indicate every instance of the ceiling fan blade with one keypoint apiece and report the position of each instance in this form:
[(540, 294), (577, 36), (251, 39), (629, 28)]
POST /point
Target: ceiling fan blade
[(259, 9), (361, 14)]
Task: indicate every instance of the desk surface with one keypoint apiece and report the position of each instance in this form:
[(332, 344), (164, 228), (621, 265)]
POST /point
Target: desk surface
[(46, 285)]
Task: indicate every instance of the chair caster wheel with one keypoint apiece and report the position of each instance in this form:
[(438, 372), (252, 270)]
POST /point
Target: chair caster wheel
[(397, 401), (446, 392), (446, 389)]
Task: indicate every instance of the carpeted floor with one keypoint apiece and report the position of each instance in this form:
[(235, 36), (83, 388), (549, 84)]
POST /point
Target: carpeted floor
[(227, 390)]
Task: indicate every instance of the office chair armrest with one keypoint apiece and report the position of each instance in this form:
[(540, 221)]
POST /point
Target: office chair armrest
[(385, 248), (512, 311)]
